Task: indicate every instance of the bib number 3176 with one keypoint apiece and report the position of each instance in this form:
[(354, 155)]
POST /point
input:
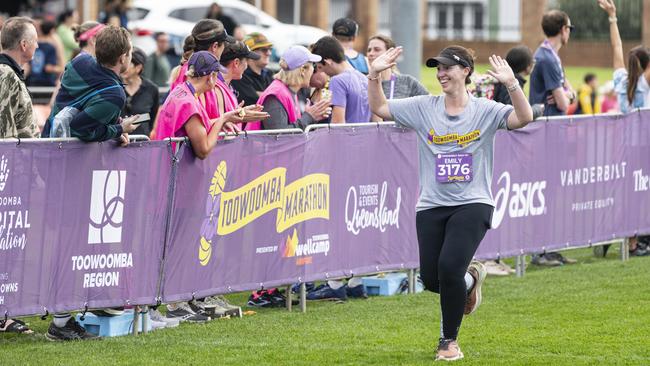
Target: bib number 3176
[(454, 168)]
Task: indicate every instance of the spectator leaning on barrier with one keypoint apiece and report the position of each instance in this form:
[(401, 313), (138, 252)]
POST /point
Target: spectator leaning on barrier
[(454, 211), (183, 114), (19, 42), (256, 77), (588, 101), (280, 99), (95, 91), (348, 86), (345, 30), (209, 35), (157, 67), (548, 84), (394, 84), (141, 94), (235, 59)]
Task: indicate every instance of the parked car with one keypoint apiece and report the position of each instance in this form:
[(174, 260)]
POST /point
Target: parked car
[(177, 19)]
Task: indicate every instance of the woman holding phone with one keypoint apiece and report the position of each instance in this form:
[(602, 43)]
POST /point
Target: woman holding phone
[(142, 96)]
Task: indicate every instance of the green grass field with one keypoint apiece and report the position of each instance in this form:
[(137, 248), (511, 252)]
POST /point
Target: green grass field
[(574, 74), (591, 313)]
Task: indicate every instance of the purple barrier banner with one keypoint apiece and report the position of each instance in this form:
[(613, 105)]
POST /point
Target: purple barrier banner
[(568, 183), (80, 224), (263, 211)]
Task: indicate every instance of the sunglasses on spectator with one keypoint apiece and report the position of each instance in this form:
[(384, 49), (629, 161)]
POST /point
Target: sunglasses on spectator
[(571, 27), (263, 50)]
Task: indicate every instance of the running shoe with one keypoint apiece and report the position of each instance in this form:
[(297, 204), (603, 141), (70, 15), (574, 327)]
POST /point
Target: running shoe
[(544, 260), (448, 350), (207, 308), (559, 257), (156, 316), (494, 269), (222, 306), (309, 286), (155, 324), (478, 271), (258, 300), (184, 313), (70, 332)]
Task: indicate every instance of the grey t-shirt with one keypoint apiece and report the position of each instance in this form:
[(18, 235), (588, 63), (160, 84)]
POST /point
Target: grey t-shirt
[(405, 86), (471, 132)]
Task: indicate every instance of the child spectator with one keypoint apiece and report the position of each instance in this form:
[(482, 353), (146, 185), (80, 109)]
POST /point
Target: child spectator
[(588, 102)]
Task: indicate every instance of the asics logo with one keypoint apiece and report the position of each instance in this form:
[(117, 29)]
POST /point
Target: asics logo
[(518, 199)]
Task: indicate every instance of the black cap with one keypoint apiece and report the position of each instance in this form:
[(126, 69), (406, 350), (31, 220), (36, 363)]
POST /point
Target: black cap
[(238, 50), (345, 27), (448, 57)]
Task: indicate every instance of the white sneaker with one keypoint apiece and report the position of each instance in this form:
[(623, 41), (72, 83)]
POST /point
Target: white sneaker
[(156, 316), (495, 269)]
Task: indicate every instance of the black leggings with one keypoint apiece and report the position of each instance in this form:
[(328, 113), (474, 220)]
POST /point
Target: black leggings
[(448, 238)]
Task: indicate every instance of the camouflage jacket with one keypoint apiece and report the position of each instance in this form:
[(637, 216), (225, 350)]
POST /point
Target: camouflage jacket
[(16, 112)]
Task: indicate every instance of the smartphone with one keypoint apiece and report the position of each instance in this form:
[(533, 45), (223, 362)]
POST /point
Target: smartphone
[(142, 118)]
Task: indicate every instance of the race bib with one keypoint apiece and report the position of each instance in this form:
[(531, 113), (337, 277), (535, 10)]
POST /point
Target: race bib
[(454, 168)]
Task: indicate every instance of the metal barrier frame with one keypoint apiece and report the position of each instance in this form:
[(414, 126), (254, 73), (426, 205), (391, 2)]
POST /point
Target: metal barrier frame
[(176, 145)]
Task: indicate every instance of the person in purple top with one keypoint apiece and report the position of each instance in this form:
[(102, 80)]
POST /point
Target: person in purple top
[(348, 86)]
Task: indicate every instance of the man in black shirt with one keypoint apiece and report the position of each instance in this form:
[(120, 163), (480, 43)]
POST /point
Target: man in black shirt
[(257, 77)]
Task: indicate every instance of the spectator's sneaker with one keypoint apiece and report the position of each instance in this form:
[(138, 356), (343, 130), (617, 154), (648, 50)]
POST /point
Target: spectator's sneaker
[(543, 260), (448, 350), (327, 293), (108, 312), (156, 316), (506, 267), (258, 300), (600, 251), (184, 313), (358, 291), (155, 324), (478, 271), (309, 286), (639, 252), (207, 308), (494, 269), (70, 332), (559, 257), (222, 306)]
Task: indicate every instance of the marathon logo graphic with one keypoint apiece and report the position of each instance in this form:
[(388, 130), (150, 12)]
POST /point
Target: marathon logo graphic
[(518, 199), (226, 212), (106, 206), (461, 140), (317, 244)]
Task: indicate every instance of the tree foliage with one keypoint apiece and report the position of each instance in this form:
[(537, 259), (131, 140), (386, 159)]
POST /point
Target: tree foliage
[(591, 21)]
